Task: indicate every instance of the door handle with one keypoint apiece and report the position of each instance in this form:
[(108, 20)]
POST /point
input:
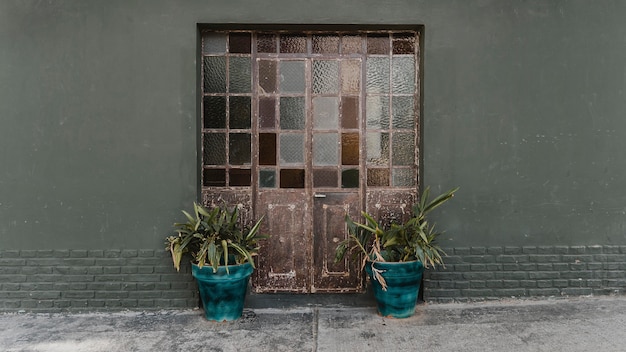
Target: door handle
[(319, 195)]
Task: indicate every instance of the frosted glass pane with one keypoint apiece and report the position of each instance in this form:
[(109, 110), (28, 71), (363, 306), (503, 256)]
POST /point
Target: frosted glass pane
[(325, 178), (351, 76), (350, 112), (214, 43), (292, 115), (403, 149), (214, 149), (377, 148), (214, 109), (239, 149), (377, 44), (267, 76), (240, 110), (292, 148), (214, 74), (292, 76), (378, 177), (240, 75), (377, 75), (325, 44), (325, 112), (350, 149), (293, 44), (266, 43), (325, 149), (403, 112), (325, 77), (403, 74), (403, 177), (350, 45), (377, 112), (267, 178)]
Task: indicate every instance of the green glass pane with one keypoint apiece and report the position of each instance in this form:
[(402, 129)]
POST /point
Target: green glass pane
[(350, 178), (403, 75), (239, 43), (292, 77), (267, 148), (240, 75), (239, 148), (267, 178), (325, 113), (325, 149), (378, 177), (403, 177), (214, 152), (377, 148), (377, 75), (403, 149), (291, 148), (292, 115), (267, 112), (267, 76), (214, 109), (240, 177), (377, 112), (240, 112), (325, 76), (403, 112), (214, 177), (213, 43), (350, 149), (214, 74), (291, 178)]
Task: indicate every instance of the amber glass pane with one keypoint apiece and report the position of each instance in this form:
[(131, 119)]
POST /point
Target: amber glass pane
[(404, 44), (350, 178), (378, 177), (292, 113), (240, 177), (214, 149), (214, 177), (293, 44), (325, 178), (267, 76), (349, 148), (267, 112), (325, 44), (377, 44), (239, 43), (350, 45), (266, 43), (239, 112), (214, 109), (351, 76), (325, 113), (377, 148), (349, 112), (239, 148), (213, 43), (267, 178), (214, 72), (291, 178), (403, 149), (239, 69), (267, 148)]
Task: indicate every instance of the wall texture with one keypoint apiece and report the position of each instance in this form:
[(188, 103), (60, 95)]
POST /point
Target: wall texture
[(523, 108)]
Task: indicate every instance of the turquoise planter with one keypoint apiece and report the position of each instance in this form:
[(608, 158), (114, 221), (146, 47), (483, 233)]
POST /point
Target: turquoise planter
[(222, 293), (403, 284)]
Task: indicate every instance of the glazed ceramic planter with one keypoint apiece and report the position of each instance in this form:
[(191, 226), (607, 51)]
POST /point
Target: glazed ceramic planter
[(403, 284), (222, 293)]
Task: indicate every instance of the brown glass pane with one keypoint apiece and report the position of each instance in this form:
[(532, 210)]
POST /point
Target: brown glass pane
[(239, 149), (350, 178), (267, 112), (349, 112), (239, 43), (377, 44), (267, 76), (214, 152), (214, 74), (404, 44), (325, 44), (293, 44), (267, 148), (378, 177), (239, 112), (291, 178), (214, 109), (350, 149), (239, 177), (214, 177), (350, 45), (325, 178), (266, 43), (267, 178)]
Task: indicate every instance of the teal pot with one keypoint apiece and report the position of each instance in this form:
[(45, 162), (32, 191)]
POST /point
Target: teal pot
[(222, 293), (403, 284)]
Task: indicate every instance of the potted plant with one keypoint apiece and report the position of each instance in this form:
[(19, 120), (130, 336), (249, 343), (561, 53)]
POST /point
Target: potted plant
[(395, 255), (222, 251)]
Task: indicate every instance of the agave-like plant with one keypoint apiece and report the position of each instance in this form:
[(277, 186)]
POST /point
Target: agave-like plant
[(214, 237)]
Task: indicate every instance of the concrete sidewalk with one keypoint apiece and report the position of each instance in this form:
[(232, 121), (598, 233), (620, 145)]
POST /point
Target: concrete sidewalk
[(574, 324)]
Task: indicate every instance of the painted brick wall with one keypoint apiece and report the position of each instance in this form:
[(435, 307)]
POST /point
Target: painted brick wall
[(480, 273), (57, 280)]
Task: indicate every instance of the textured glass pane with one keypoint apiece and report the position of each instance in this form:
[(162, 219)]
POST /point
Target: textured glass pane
[(214, 43), (292, 76), (214, 177), (403, 177), (350, 149), (325, 44), (292, 178), (214, 74), (214, 109), (350, 112), (325, 149), (377, 111), (267, 178), (350, 178), (404, 44), (240, 111), (214, 149), (292, 115), (351, 45), (292, 148), (377, 148), (239, 43), (293, 44), (378, 177), (240, 177), (267, 112), (351, 76), (325, 178), (240, 75), (267, 76), (266, 43), (267, 148), (378, 44), (325, 113), (403, 75), (325, 76), (403, 112), (403, 150), (239, 149), (377, 80)]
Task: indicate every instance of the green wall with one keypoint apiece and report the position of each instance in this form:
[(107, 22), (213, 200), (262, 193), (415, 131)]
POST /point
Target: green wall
[(523, 108)]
